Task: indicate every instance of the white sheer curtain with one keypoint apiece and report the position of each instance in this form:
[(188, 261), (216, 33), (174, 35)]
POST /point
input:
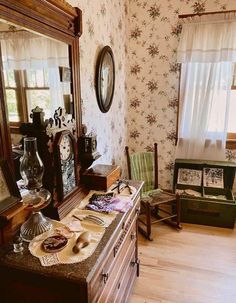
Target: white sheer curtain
[(207, 51), (22, 50)]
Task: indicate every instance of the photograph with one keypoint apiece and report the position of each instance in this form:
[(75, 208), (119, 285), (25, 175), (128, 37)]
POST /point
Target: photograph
[(213, 177), (189, 176)]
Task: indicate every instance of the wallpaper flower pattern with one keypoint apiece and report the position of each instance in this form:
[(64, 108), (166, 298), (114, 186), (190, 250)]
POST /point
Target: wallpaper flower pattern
[(104, 24), (153, 75), (144, 37)]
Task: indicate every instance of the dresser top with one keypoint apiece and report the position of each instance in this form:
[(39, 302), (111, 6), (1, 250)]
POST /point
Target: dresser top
[(77, 272)]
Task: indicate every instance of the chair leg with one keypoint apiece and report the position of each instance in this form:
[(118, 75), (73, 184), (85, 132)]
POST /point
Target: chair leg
[(148, 217), (178, 212), (147, 233)]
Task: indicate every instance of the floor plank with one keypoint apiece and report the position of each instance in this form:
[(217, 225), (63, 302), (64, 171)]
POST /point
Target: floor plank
[(195, 265)]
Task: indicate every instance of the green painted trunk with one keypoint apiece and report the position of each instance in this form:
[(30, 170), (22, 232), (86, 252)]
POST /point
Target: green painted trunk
[(220, 211)]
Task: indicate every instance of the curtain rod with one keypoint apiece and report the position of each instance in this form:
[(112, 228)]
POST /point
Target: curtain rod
[(207, 13)]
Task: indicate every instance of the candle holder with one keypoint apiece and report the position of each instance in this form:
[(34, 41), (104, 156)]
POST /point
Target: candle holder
[(36, 197)]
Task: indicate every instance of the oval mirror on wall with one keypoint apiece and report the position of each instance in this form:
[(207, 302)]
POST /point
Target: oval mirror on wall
[(105, 78)]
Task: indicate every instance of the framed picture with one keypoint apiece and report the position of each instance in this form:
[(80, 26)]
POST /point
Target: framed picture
[(189, 176), (213, 177), (9, 192), (65, 74)]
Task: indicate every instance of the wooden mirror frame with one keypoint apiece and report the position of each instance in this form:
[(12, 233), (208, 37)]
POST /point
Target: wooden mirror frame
[(56, 19)]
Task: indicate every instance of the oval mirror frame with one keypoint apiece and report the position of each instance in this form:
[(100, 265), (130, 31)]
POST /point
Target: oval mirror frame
[(105, 78)]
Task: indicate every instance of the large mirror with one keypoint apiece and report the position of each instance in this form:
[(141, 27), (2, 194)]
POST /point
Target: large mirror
[(36, 72), (39, 66)]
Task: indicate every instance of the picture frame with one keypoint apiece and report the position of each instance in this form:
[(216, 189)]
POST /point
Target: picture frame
[(65, 74), (213, 177), (9, 192), (105, 78), (188, 176)]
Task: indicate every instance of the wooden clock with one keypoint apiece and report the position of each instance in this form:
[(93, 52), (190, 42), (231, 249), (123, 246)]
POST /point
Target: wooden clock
[(65, 164)]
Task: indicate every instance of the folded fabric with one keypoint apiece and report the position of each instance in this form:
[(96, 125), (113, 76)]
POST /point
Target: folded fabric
[(109, 204)]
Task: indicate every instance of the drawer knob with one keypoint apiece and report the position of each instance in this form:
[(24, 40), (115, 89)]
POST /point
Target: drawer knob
[(105, 277)]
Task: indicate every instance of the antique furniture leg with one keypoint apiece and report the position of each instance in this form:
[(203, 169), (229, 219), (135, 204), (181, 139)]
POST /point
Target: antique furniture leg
[(178, 212), (146, 233)]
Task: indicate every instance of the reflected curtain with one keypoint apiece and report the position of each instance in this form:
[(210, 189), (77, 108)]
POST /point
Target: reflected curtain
[(206, 51), (22, 50)]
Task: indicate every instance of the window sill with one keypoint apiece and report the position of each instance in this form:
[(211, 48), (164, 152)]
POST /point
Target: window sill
[(231, 143)]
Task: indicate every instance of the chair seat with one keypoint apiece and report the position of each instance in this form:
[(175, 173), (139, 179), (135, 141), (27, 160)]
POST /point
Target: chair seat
[(156, 205), (158, 198)]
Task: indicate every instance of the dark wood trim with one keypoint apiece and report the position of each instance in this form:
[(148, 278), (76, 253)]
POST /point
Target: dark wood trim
[(155, 165), (44, 16), (128, 162), (206, 13), (75, 68), (58, 20), (57, 159), (14, 194), (231, 141), (5, 138), (53, 18), (230, 144)]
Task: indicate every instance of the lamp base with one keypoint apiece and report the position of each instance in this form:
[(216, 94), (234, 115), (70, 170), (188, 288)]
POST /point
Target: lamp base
[(37, 222), (34, 226)]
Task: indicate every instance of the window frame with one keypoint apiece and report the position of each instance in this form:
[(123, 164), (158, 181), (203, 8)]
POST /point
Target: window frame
[(21, 98), (231, 137)]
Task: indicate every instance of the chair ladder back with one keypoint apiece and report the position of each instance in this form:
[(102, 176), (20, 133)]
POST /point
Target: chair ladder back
[(156, 165), (128, 161)]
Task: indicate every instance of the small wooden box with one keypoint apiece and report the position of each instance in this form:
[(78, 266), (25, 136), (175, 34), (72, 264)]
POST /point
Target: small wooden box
[(101, 176)]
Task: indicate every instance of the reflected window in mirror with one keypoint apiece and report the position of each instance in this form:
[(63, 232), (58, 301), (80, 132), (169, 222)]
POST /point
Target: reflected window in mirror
[(31, 67), (24, 91)]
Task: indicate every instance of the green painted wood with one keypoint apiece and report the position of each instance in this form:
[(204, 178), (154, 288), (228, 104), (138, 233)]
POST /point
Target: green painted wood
[(208, 211)]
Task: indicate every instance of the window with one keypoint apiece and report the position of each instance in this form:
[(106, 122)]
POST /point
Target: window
[(24, 91), (207, 54), (231, 130), (12, 96), (231, 135)]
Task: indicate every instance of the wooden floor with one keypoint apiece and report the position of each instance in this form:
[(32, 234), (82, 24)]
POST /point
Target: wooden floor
[(195, 265)]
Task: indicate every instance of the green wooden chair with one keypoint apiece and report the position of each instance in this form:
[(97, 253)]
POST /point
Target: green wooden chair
[(156, 205)]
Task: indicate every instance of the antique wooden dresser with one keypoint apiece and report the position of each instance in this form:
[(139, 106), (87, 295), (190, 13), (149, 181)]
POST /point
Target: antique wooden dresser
[(107, 276)]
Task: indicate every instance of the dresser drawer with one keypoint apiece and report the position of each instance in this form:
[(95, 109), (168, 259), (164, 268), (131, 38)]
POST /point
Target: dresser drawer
[(124, 284), (108, 273), (117, 278)]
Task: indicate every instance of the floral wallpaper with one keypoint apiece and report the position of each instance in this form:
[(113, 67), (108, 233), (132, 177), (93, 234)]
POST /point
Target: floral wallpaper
[(144, 37), (104, 24), (153, 74)]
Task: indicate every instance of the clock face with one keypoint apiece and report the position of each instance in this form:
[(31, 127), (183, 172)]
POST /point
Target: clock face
[(65, 164), (65, 148)]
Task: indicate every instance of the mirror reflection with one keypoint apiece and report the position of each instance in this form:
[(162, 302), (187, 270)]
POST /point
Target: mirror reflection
[(36, 72), (107, 79)]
